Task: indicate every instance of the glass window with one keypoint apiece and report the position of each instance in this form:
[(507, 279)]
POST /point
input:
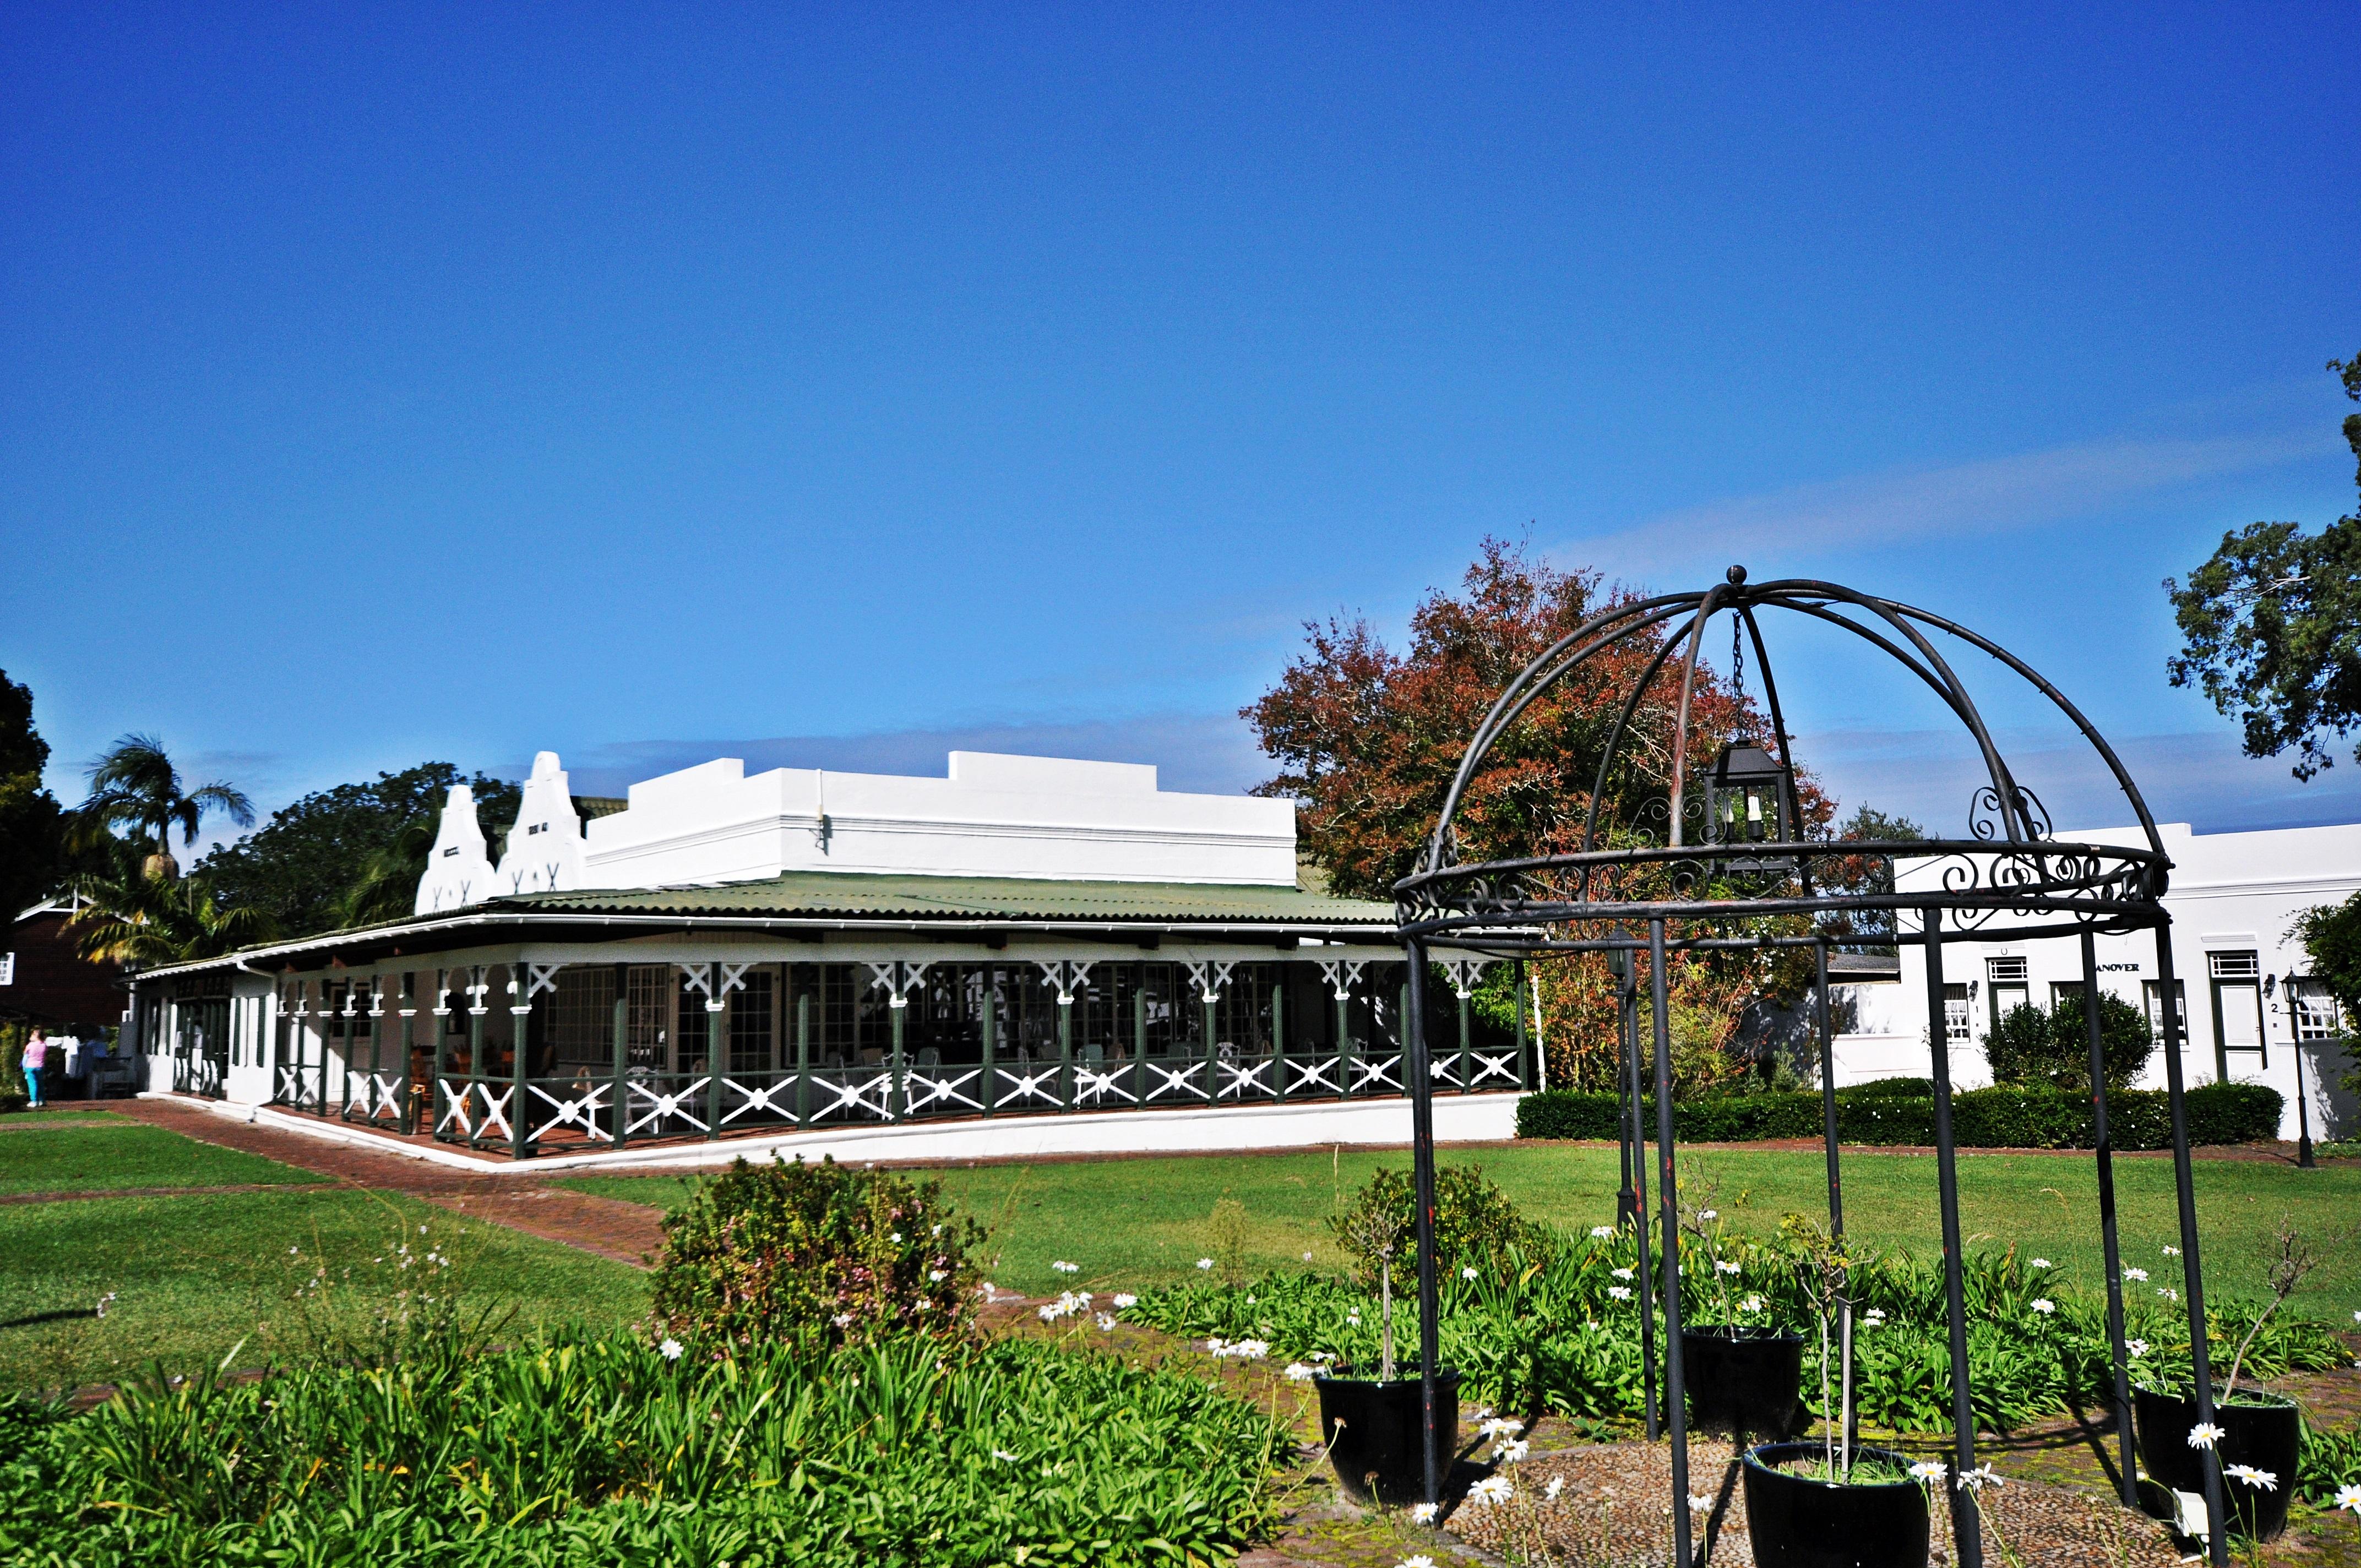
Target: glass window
[(578, 1020), (2002, 970), (751, 1025), (2234, 966), (2149, 993), (1955, 1010), (2313, 1011)]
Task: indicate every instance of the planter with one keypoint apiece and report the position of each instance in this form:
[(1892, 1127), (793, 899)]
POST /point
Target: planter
[(1373, 1429), (2261, 1430), (1744, 1380), (1797, 1522)]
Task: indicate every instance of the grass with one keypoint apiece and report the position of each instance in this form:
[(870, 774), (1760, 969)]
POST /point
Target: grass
[(194, 1275), (90, 1152), (1146, 1222)]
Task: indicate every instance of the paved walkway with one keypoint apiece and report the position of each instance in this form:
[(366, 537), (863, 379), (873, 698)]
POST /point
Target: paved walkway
[(628, 1233)]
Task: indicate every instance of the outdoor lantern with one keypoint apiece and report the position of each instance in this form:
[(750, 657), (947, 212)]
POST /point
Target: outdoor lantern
[(1747, 795)]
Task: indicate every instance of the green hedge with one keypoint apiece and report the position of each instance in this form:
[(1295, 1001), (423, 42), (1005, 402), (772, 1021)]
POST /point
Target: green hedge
[(2003, 1117)]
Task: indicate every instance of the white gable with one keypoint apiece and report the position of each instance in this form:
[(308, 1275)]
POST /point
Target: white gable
[(458, 871), (544, 850)]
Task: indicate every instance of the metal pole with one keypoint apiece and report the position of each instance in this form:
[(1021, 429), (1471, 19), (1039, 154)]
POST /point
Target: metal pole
[(1140, 1037), (1517, 989), (2303, 1160), (2127, 1475), (1967, 1525), (1635, 1133), (1668, 1211), (1828, 1088), (2184, 1187), (1433, 1443), (1466, 1043)]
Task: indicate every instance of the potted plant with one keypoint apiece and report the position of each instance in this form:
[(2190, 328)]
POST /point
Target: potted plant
[(2255, 1435), (1744, 1375), (1374, 1426), (1827, 1503)]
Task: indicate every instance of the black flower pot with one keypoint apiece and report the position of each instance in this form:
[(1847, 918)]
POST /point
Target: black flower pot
[(2263, 1431), (1797, 1522), (1744, 1380), (1373, 1430)]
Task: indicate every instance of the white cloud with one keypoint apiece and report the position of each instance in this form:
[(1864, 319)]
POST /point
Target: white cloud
[(1902, 506)]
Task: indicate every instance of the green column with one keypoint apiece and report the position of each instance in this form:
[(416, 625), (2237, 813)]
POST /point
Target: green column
[(519, 1055), (1279, 1034), (1205, 1013), (1345, 1039), (475, 1054), (991, 1031), (717, 1061), (376, 1043), (803, 1055), (1139, 1036), (1523, 1078), (435, 1104), (321, 1105), (409, 1053), (895, 1005), (1065, 1048), (621, 1024), (1466, 1043)]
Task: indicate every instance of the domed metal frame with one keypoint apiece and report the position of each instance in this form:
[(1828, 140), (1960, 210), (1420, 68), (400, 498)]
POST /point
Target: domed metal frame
[(1666, 884)]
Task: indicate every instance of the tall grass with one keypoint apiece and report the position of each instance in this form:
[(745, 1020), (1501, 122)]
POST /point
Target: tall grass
[(597, 1451)]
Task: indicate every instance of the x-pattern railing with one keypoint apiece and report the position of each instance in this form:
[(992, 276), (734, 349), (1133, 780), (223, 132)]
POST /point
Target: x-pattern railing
[(940, 1087), (652, 1108), (577, 1108)]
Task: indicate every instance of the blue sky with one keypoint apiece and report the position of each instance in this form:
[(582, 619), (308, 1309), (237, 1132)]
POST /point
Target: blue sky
[(648, 383)]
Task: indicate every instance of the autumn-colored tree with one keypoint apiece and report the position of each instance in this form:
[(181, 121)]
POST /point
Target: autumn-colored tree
[(1368, 741)]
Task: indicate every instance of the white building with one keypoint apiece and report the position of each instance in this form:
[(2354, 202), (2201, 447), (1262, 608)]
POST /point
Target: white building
[(805, 951), (2250, 1011)]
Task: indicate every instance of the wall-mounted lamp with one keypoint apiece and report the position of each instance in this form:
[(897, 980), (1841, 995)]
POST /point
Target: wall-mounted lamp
[(2270, 983)]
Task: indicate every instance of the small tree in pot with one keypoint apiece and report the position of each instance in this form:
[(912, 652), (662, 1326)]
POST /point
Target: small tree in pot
[(2256, 1435), (1808, 1504), (1744, 1374), (1375, 1428)]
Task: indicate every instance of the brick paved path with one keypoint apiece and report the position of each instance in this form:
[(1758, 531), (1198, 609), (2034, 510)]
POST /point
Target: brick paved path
[(628, 1233)]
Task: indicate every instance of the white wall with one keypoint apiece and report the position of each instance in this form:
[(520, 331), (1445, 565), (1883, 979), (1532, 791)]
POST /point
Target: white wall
[(2229, 893)]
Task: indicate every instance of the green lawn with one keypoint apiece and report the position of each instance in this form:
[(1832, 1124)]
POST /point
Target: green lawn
[(1139, 1222), (84, 1152), (194, 1275)]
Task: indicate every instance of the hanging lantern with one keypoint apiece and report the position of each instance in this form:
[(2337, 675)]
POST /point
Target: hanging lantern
[(1746, 796)]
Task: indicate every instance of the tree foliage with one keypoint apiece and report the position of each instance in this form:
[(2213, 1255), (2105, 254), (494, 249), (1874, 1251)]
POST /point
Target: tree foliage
[(2270, 627), (32, 824), (1367, 740), (136, 793), (141, 921), (350, 854)]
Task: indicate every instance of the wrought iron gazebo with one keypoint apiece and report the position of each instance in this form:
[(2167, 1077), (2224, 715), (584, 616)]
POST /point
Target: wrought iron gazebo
[(1718, 858)]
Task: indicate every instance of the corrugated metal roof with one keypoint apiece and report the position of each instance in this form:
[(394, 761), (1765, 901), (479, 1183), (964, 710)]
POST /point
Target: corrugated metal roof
[(825, 894)]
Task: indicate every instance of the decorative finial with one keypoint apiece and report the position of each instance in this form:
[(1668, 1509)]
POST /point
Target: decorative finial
[(1736, 576)]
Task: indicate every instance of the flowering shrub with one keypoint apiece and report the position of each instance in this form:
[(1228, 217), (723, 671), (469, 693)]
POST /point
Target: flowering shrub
[(818, 1255)]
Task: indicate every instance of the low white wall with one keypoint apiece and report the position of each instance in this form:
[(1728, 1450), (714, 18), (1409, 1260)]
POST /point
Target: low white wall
[(1471, 1118)]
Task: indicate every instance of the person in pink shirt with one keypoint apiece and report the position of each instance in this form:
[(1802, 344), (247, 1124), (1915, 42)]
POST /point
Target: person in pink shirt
[(37, 1061)]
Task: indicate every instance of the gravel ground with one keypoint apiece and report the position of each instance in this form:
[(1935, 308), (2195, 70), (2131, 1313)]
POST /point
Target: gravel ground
[(1613, 1513)]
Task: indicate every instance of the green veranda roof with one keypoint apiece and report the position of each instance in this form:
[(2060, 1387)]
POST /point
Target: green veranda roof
[(821, 895)]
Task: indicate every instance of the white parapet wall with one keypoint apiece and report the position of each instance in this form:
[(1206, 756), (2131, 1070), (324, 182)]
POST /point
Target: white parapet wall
[(1229, 1129)]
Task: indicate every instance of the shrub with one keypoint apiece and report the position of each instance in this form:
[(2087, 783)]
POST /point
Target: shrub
[(2003, 1116), (1474, 1223), (2029, 1046), (1888, 1087), (813, 1254)]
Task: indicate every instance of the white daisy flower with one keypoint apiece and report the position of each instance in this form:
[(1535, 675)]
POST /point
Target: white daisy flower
[(2172, 1252), (1301, 1372), (1602, 1232), (1708, 1214), (1491, 1489), (2139, 1276), (1631, 1273), (2203, 1434), (1511, 1453), (1724, 1266), (1424, 1513), (2044, 1305), (2040, 1263), (1500, 1427), (2349, 1496), (1004, 1456), (1204, 1263), (1062, 1267), (1557, 1485), (670, 1350), (2135, 1347), (1621, 1292), (2252, 1476), (1468, 1272), (1928, 1470), (1973, 1480)]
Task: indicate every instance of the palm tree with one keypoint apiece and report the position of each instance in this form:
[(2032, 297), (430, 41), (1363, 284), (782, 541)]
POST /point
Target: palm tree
[(147, 920), (135, 786), (387, 888)]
